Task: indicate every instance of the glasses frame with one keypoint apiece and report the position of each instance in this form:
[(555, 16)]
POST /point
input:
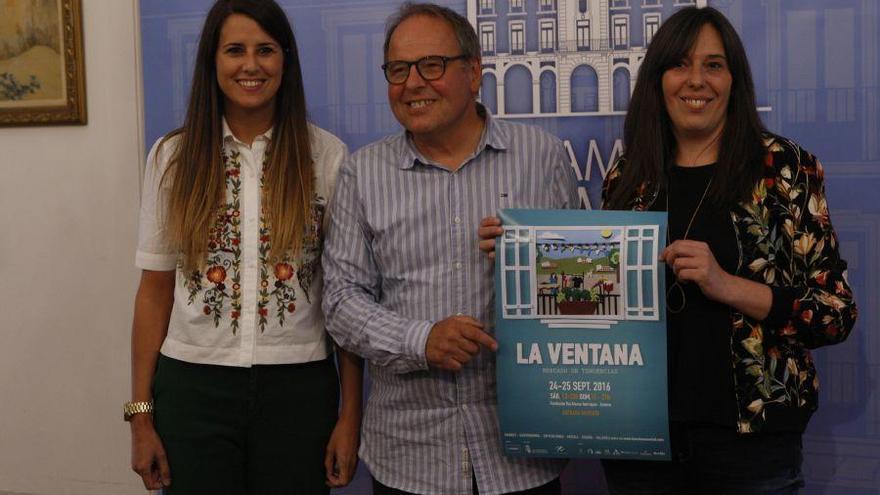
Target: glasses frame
[(409, 64)]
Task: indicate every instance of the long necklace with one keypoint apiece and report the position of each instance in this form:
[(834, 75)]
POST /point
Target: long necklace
[(676, 287)]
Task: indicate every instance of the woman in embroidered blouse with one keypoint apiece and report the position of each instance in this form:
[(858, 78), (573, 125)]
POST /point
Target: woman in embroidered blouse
[(754, 276), (244, 387)]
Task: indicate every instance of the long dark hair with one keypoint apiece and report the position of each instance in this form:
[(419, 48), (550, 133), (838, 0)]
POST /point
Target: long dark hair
[(649, 144), (196, 169)]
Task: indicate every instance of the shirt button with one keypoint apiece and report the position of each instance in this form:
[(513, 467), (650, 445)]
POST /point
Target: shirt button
[(464, 407), (458, 265), (457, 220)]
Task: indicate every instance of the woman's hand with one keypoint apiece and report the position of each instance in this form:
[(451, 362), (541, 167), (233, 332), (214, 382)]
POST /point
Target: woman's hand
[(341, 458), (693, 261), (148, 457), (152, 310), (490, 228)]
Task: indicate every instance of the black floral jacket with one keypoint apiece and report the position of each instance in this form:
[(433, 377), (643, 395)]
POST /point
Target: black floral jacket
[(785, 241)]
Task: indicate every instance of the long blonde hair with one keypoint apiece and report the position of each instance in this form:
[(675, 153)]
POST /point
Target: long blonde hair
[(196, 174)]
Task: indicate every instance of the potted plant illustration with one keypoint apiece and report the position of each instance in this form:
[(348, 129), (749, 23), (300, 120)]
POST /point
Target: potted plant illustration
[(571, 301)]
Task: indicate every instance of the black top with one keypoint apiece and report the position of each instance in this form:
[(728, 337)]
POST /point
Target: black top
[(701, 387)]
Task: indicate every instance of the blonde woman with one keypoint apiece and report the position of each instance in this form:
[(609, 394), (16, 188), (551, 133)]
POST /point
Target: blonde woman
[(234, 388)]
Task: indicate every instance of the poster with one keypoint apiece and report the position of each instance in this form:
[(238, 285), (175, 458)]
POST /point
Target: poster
[(581, 328)]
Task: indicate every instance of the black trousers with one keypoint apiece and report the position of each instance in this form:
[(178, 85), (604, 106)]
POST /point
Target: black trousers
[(258, 430), (714, 461)]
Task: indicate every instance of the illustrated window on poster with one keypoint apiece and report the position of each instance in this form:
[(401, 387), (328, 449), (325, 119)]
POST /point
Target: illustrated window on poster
[(580, 277)]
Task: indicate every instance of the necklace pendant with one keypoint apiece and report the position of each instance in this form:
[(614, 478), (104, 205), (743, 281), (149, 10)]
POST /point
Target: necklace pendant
[(675, 298)]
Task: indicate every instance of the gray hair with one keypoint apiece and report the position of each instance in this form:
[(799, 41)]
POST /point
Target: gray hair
[(464, 32)]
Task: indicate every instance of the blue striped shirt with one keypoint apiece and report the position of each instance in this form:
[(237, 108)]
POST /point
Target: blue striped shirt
[(401, 254)]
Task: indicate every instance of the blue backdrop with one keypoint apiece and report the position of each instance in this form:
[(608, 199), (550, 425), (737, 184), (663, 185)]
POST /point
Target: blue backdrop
[(568, 65)]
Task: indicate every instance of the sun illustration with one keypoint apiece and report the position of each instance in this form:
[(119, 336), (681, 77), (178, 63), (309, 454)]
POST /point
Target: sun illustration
[(606, 233)]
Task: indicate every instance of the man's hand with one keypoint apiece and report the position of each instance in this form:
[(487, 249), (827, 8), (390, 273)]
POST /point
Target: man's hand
[(490, 228), (453, 342)]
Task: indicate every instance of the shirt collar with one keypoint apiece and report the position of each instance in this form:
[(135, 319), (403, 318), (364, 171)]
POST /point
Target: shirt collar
[(228, 136), (494, 136)]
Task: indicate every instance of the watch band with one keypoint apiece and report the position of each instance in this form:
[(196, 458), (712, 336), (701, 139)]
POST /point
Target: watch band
[(129, 409)]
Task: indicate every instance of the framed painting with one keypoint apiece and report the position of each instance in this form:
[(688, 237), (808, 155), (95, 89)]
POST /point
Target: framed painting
[(42, 74)]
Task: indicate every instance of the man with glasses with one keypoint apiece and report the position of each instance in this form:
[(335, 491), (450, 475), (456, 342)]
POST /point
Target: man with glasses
[(405, 284)]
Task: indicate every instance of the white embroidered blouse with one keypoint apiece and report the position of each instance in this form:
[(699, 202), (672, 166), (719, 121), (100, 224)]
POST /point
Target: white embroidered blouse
[(243, 310)]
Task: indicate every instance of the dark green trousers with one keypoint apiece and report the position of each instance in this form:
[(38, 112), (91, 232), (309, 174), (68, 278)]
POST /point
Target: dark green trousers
[(258, 430)]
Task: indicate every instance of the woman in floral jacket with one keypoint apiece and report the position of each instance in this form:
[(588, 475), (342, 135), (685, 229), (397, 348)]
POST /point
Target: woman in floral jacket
[(754, 276)]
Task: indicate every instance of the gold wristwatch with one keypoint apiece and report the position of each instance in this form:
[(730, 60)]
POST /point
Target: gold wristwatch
[(129, 409)]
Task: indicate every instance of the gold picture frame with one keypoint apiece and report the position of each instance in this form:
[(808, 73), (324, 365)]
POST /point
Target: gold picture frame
[(42, 72)]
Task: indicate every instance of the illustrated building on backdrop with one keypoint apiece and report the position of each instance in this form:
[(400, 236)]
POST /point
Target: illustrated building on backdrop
[(553, 58)]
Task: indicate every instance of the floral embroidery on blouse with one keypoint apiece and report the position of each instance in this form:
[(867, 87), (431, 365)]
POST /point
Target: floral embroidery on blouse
[(221, 281), (281, 290), (218, 289), (281, 293), (313, 245)]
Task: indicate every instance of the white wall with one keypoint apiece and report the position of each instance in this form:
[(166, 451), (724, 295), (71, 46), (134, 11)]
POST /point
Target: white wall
[(68, 211)]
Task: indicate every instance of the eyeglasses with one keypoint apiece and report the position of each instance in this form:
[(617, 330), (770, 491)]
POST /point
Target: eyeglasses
[(430, 68)]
